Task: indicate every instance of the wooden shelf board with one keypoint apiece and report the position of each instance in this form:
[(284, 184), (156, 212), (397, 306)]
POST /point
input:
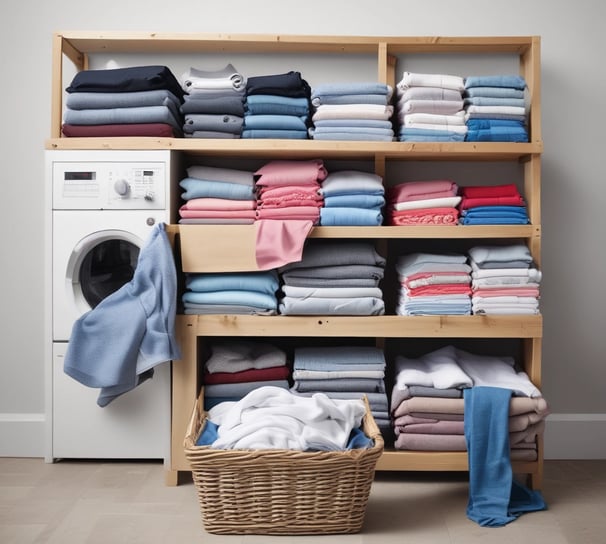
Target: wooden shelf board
[(488, 151), (386, 326)]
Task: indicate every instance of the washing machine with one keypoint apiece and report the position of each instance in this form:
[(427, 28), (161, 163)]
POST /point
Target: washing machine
[(103, 206)]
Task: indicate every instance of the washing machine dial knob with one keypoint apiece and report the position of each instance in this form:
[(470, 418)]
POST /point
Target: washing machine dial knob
[(149, 196), (121, 187)]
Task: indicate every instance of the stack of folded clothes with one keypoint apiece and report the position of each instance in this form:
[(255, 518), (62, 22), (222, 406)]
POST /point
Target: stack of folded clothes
[(218, 195), (333, 278), (505, 280), (431, 202), (252, 293), (496, 108), (214, 104), (277, 106), (492, 205), (137, 101), (289, 189), (352, 111), (434, 284), (428, 407), (429, 108), (235, 368), (344, 372), (352, 197)]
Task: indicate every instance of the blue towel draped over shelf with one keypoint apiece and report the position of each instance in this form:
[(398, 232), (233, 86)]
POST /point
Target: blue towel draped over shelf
[(495, 498)]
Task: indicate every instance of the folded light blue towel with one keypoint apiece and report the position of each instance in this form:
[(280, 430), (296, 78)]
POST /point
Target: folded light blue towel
[(495, 499)]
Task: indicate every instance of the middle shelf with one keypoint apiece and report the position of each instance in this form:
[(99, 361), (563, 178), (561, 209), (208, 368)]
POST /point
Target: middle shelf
[(386, 326)]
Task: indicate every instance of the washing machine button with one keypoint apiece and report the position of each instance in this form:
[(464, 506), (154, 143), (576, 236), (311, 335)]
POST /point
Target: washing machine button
[(122, 187)]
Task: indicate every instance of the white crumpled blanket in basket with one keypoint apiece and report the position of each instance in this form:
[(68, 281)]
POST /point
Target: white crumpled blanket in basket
[(274, 418)]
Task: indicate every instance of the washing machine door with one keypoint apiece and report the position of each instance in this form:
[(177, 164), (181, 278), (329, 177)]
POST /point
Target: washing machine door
[(94, 254), (100, 264)]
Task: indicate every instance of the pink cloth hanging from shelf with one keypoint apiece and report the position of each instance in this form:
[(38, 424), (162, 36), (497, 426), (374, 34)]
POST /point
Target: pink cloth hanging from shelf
[(280, 242)]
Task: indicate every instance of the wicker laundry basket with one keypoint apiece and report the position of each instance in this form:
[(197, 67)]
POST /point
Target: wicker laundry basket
[(281, 491)]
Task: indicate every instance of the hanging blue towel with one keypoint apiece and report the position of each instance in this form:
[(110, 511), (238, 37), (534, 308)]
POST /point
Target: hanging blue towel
[(116, 345), (495, 499)]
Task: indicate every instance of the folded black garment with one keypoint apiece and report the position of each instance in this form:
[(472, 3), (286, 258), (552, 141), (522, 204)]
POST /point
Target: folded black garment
[(288, 84), (136, 78)]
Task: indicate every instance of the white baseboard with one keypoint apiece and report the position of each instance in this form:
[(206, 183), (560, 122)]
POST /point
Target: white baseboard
[(575, 436), (22, 435), (567, 436)]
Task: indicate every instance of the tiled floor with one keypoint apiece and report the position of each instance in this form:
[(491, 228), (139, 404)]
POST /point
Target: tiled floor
[(86, 502)]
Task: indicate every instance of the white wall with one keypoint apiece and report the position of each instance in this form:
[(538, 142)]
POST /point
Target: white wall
[(574, 202)]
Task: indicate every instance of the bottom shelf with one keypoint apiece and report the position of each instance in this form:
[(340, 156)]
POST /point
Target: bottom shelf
[(447, 461)]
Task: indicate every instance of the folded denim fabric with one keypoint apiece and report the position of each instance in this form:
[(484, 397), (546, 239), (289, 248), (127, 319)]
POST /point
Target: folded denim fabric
[(494, 92), (259, 104), (504, 80)]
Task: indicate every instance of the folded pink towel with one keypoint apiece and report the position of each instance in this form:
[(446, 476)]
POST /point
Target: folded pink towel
[(219, 204), (291, 172), (420, 190)]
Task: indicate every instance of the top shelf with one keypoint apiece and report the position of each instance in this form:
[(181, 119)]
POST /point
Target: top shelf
[(155, 42), (488, 151), (78, 46)]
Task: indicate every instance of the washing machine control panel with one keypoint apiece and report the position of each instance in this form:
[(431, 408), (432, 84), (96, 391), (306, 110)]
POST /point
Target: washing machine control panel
[(111, 185)]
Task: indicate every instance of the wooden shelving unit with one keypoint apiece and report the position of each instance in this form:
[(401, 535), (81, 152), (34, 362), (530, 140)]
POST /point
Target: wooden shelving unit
[(230, 247)]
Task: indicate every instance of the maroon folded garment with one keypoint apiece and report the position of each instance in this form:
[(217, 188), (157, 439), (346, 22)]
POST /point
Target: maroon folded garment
[(136, 129), (251, 375)]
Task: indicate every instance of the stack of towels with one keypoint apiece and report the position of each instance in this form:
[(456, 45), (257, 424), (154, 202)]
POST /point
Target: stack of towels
[(235, 368), (253, 293), (277, 106), (496, 109), (434, 284), (344, 372), (492, 205), (214, 104), (427, 401), (333, 278), (352, 197), (289, 189), (430, 108), (218, 195), (505, 280), (137, 101), (423, 203), (352, 111)]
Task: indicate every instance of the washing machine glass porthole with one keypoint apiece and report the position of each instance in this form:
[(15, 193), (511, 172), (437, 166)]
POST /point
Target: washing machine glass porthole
[(105, 268)]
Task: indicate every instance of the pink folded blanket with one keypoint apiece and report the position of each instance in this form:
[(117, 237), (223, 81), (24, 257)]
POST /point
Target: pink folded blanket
[(291, 172), (218, 204), (420, 190)]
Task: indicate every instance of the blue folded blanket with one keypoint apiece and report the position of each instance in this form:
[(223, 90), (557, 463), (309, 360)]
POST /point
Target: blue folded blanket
[(495, 499)]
